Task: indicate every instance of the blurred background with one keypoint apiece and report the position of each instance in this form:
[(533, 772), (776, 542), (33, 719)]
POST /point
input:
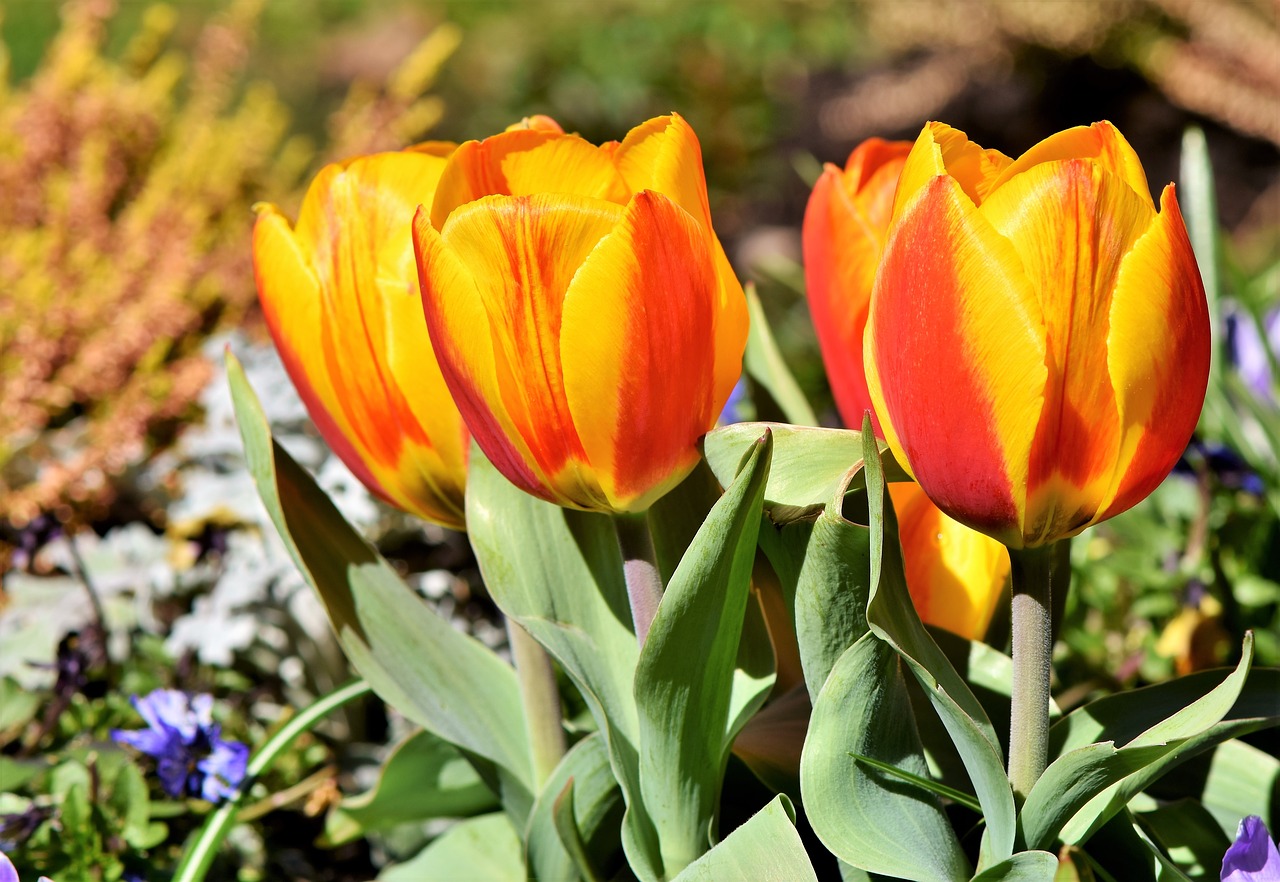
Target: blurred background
[(135, 137)]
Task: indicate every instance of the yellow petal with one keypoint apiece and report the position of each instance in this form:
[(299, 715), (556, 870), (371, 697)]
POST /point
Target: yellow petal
[(1157, 356), (940, 149), (522, 253), (638, 371), (1101, 142)]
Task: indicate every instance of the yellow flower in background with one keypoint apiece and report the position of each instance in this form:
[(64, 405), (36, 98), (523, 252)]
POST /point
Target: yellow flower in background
[(1038, 342), (584, 313), (340, 295)]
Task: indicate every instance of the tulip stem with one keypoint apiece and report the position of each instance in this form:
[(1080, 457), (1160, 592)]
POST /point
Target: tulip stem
[(1032, 572), (541, 698), (640, 568)]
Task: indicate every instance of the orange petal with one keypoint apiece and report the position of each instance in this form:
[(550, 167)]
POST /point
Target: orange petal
[(1157, 355), (841, 253), (521, 162), (1101, 142), (522, 253), (955, 359), (956, 576), (1071, 223), (638, 371)]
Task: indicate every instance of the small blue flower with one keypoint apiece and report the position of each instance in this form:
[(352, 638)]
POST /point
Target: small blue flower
[(1249, 344), (191, 757), (9, 873), (1253, 856)]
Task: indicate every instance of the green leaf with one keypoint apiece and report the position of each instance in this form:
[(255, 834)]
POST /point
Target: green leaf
[(1187, 732), (687, 668), (809, 464), (676, 517), (1188, 835), (413, 658), (18, 707), (1240, 782), (766, 848), (486, 848), (893, 618), (1026, 866), (575, 823), (423, 778), (558, 573), (927, 784), (1200, 210), (1073, 779), (865, 817), (831, 593), (763, 362)]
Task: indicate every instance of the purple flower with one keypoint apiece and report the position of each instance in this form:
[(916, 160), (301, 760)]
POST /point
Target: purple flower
[(9, 873), (1253, 856), (191, 757), (1249, 343)]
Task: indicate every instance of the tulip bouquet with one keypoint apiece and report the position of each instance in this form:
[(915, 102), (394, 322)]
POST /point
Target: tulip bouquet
[(754, 651)]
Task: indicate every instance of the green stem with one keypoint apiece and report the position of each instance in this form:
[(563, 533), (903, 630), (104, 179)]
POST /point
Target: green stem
[(541, 699), (204, 843), (1032, 571), (640, 568)]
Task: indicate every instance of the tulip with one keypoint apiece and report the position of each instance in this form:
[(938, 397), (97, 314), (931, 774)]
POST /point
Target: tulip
[(956, 576), (585, 316), (1038, 341), (844, 230), (340, 295)]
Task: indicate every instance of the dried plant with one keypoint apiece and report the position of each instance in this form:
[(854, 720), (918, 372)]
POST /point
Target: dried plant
[(128, 184)]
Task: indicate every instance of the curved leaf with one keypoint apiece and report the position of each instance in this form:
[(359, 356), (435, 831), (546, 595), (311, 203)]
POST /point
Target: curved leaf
[(866, 817), (440, 678), (766, 848), (580, 802)]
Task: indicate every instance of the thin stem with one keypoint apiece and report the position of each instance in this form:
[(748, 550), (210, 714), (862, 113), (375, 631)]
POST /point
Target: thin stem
[(640, 568), (204, 843), (541, 699), (1032, 571)]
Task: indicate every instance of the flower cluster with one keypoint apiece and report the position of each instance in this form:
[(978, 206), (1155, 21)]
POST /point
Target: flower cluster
[(192, 758)]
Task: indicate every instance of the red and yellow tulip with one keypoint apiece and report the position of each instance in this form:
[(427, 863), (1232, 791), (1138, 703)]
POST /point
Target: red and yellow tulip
[(585, 316), (844, 229), (1038, 342), (340, 295)]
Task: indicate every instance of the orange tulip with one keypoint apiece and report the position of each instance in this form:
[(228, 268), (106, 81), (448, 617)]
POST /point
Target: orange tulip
[(586, 319), (956, 575), (1038, 342), (340, 295), (844, 229)]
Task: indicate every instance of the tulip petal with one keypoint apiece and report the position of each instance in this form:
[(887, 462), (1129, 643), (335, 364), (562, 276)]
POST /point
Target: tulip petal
[(520, 254), (1157, 355), (845, 224), (663, 154), (939, 150), (1101, 142), (1071, 223), (521, 162), (336, 293), (958, 402), (956, 576), (638, 374)]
